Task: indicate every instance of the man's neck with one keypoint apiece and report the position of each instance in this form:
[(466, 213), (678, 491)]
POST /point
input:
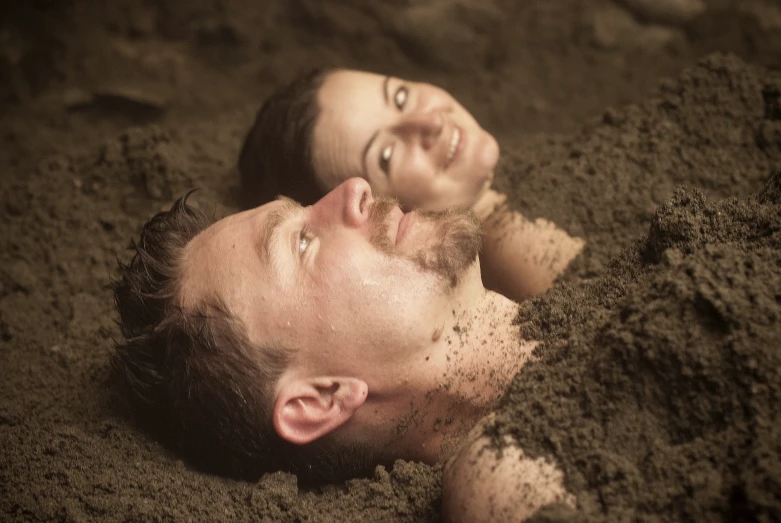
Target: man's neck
[(481, 350), (486, 350)]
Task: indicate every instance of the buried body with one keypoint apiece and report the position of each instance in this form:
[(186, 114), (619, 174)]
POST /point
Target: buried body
[(376, 389), (657, 387)]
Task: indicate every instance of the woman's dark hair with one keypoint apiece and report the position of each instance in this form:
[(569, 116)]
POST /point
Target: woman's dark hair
[(276, 158)]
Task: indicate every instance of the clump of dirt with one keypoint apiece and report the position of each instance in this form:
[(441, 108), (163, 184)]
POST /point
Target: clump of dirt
[(659, 383), (712, 128)]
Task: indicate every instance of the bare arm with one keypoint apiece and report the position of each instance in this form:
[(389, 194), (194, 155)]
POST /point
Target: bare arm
[(482, 483), (520, 257)]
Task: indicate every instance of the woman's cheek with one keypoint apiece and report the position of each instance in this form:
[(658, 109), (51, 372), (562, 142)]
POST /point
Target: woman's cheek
[(412, 189)]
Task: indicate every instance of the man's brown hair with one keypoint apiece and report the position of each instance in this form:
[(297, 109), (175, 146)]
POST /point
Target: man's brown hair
[(194, 376), (276, 158)]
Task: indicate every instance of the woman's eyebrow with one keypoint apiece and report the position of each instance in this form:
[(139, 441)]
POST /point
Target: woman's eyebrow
[(366, 152), (368, 145)]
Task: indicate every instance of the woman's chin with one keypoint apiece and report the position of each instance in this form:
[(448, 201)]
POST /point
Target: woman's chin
[(484, 156), (489, 155)]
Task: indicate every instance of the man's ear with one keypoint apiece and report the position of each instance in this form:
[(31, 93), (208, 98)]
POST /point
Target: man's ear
[(307, 409)]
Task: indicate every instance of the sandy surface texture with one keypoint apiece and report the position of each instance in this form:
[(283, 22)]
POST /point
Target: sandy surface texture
[(658, 390)]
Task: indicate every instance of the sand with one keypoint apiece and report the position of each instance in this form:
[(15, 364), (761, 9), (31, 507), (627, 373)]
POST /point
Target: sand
[(658, 390)]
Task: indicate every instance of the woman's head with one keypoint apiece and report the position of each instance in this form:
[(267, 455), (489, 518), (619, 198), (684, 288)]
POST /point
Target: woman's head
[(276, 157), (409, 140)]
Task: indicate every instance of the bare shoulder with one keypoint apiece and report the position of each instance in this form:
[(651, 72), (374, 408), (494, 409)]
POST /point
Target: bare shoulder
[(483, 483), (521, 257)]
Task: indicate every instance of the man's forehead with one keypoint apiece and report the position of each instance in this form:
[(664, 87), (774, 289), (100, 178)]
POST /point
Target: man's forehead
[(224, 231), (218, 259), (234, 226)]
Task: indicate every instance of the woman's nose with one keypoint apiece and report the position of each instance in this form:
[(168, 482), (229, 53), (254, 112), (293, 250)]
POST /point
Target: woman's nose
[(425, 125)]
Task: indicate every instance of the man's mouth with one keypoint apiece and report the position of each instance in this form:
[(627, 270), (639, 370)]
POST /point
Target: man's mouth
[(405, 223), (389, 225), (453, 147)]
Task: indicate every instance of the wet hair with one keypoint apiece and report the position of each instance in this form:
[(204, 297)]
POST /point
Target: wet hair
[(276, 158), (194, 377)]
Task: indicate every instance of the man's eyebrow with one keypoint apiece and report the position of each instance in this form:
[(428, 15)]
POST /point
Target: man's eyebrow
[(271, 227), (368, 145)]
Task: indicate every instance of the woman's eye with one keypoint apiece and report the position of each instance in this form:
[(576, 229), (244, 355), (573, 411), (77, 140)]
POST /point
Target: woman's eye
[(400, 98), (385, 157), (304, 238)]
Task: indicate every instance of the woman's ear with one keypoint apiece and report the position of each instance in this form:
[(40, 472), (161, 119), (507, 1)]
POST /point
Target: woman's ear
[(307, 409)]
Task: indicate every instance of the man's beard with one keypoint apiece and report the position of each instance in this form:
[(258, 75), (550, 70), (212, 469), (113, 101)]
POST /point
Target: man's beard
[(453, 244)]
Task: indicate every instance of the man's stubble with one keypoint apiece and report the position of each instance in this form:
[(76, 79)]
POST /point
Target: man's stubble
[(454, 241)]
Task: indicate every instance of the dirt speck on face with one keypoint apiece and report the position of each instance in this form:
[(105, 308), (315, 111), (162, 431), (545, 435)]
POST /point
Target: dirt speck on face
[(657, 389)]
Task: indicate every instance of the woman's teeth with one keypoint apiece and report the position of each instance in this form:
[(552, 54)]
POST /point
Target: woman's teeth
[(453, 144)]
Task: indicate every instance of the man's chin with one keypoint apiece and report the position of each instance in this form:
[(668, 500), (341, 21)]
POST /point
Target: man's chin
[(456, 240)]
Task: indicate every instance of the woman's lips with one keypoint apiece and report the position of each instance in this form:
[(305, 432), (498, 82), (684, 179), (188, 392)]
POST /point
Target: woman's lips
[(455, 146)]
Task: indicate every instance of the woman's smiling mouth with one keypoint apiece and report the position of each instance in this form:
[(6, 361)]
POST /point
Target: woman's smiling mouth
[(453, 146)]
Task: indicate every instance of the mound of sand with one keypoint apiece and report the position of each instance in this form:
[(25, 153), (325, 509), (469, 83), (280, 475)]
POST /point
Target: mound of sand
[(659, 383)]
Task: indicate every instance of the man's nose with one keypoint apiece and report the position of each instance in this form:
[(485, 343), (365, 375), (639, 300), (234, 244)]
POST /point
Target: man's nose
[(424, 125), (348, 203)]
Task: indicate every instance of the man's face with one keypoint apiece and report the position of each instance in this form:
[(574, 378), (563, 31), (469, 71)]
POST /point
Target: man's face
[(353, 286)]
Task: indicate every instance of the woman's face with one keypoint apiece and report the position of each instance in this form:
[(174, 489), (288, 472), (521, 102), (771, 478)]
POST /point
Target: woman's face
[(409, 140)]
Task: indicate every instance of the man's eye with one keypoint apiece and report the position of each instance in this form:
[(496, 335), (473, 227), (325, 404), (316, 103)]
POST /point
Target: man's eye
[(400, 98), (304, 238), (385, 157)]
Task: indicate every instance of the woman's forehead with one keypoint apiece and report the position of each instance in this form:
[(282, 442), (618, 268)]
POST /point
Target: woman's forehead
[(344, 127), (346, 93), (349, 79)]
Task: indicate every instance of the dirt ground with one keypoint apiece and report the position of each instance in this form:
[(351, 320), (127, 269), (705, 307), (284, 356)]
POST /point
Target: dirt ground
[(659, 389)]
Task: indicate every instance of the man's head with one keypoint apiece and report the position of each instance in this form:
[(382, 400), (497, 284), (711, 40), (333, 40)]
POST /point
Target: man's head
[(192, 373), (410, 140), (286, 327)]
